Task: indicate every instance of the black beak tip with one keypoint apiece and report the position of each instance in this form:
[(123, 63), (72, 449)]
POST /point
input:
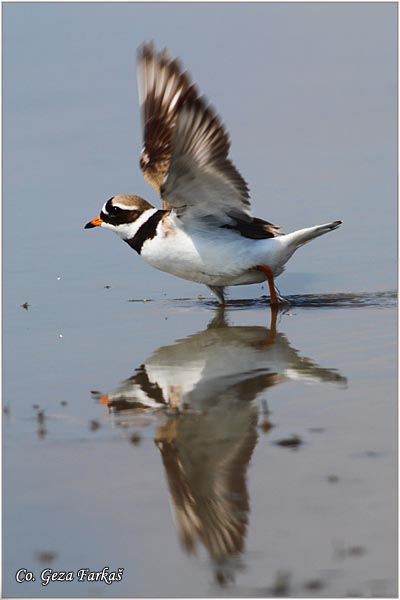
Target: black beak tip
[(89, 225)]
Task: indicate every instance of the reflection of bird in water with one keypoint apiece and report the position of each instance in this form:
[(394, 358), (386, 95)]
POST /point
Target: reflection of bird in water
[(206, 458), (210, 381), (193, 372)]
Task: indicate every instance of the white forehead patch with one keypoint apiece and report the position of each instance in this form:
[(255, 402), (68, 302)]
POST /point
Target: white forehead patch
[(124, 207)]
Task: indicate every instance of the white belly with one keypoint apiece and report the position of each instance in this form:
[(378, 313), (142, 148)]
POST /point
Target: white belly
[(223, 259)]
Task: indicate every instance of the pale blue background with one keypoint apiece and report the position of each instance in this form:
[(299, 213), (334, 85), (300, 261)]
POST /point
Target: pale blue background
[(307, 91), (309, 95)]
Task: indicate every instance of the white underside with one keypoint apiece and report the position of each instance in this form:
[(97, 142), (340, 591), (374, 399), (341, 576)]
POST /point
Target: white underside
[(217, 257), (219, 261)]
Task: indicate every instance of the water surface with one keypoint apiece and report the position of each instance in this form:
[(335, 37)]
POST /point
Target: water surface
[(217, 456), (205, 453)]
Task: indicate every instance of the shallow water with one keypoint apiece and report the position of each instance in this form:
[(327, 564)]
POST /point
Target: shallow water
[(205, 465), (205, 453)]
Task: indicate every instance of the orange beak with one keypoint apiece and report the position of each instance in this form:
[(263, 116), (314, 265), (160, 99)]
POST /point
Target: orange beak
[(104, 400), (95, 223)]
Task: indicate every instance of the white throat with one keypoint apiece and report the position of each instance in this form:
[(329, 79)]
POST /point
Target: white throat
[(127, 231)]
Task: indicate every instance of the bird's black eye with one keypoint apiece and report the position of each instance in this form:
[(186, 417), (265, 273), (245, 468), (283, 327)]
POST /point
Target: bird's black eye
[(116, 210)]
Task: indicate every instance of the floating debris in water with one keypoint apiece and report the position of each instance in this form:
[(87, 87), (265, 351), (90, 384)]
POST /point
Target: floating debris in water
[(141, 300), (281, 585), (58, 277), (94, 425), (25, 305), (266, 425), (46, 556), (42, 432), (35, 406), (372, 454), (107, 287), (41, 417), (135, 439), (314, 585), (6, 410), (293, 442), (60, 335), (356, 551), (316, 429), (63, 403), (223, 576), (332, 478)]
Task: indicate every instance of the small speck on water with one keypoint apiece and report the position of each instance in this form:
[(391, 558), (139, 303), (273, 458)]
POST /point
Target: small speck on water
[(293, 442), (42, 432), (6, 410), (372, 454), (94, 425), (135, 439), (356, 551), (314, 585), (281, 585), (60, 335), (332, 478), (25, 305), (107, 287), (353, 551), (141, 300), (266, 425), (41, 417), (46, 556), (35, 406), (58, 278), (63, 403)]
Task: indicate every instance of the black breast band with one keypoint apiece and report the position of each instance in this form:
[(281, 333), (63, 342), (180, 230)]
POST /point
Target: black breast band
[(146, 231)]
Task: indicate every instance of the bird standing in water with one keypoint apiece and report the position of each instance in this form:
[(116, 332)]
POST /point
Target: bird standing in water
[(205, 231)]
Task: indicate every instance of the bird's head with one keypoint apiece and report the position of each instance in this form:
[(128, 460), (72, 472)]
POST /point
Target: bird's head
[(122, 214)]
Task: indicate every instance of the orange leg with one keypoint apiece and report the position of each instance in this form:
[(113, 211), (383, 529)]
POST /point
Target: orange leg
[(270, 278)]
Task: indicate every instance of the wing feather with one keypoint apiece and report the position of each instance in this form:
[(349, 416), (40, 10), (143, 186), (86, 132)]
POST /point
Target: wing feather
[(163, 87), (202, 181), (185, 155)]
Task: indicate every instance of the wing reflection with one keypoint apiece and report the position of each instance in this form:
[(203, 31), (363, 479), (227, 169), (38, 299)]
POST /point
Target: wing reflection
[(209, 383)]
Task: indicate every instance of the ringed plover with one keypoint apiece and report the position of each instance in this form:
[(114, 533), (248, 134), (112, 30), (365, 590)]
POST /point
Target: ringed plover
[(205, 231)]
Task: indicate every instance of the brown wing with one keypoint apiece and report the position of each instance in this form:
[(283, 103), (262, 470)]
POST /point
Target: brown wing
[(186, 150), (202, 182), (163, 89)]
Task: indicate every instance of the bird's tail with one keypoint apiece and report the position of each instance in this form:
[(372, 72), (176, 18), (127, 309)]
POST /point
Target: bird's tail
[(302, 236)]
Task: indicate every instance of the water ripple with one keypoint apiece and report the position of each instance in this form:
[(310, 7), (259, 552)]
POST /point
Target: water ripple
[(386, 299)]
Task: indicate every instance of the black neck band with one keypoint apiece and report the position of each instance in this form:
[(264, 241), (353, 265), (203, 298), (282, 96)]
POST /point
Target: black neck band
[(146, 231)]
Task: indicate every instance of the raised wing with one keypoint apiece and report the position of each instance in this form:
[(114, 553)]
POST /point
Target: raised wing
[(202, 182), (163, 88), (186, 147)]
